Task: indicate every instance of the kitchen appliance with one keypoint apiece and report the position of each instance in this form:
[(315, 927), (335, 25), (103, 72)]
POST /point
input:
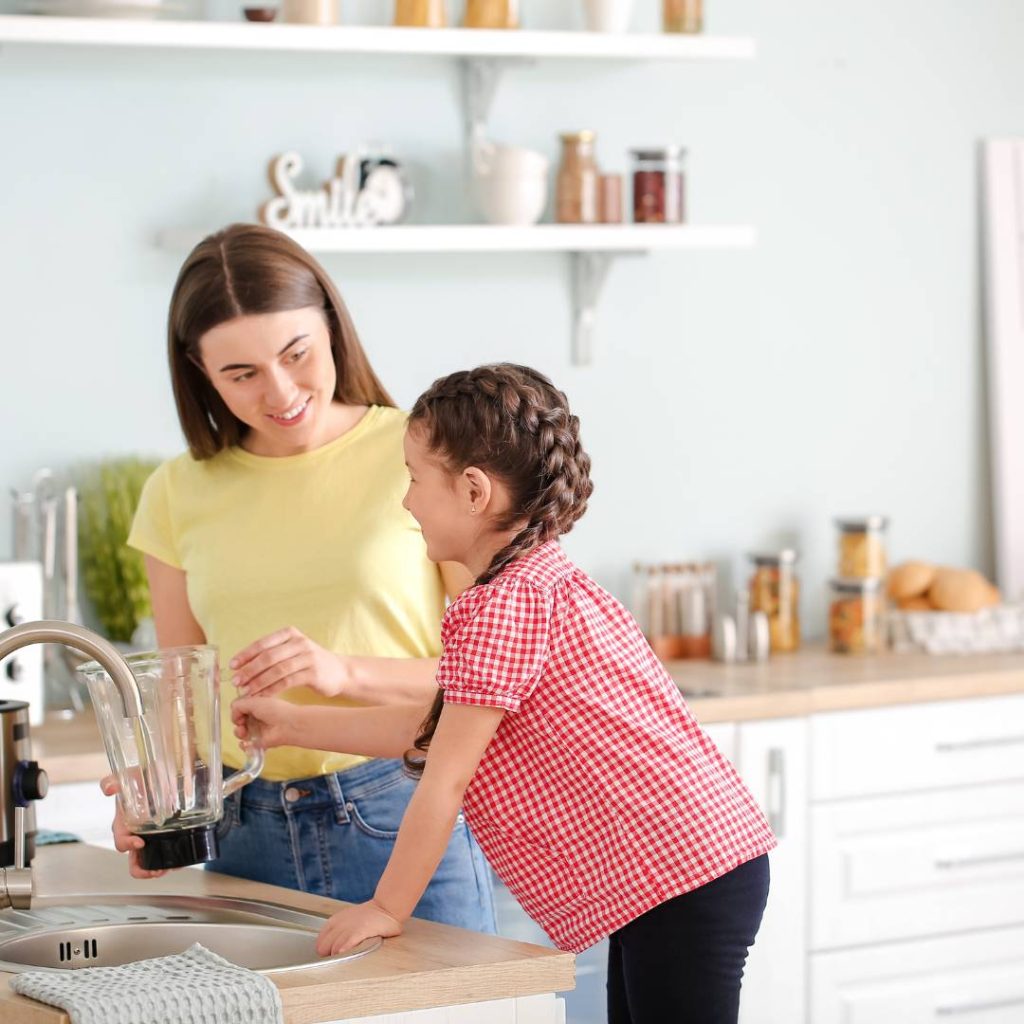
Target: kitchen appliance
[(21, 782), (21, 599), (167, 760)]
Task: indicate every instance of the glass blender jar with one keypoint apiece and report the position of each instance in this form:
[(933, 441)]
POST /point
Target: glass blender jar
[(168, 760)]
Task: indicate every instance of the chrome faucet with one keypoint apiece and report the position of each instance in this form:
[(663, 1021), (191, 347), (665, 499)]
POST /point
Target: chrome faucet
[(16, 884)]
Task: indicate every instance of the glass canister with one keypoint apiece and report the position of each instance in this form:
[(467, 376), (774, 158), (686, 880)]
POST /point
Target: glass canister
[(775, 590), (577, 194), (491, 14), (658, 185), (421, 13), (682, 15), (856, 616), (862, 553)]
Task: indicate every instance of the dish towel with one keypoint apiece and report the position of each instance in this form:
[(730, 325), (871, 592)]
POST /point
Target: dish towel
[(194, 987)]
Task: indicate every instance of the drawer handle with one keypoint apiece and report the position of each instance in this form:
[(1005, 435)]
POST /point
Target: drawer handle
[(962, 1008), (776, 784), (952, 747), (951, 863)]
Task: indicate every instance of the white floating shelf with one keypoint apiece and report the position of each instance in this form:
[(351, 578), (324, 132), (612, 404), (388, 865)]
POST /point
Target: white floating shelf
[(591, 249), (480, 238), (443, 42)]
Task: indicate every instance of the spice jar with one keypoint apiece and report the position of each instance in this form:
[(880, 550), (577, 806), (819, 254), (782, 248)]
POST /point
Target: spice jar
[(862, 547), (775, 590), (421, 13), (491, 14), (682, 15), (577, 199), (673, 604), (658, 185), (856, 616)]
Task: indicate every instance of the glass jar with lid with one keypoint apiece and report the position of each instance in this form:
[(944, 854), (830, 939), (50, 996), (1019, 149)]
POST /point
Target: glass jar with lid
[(775, 590), (577, 193), (856, 616), (682, 15), (491, 14), (862, 553), (421, 13), (658, 185)]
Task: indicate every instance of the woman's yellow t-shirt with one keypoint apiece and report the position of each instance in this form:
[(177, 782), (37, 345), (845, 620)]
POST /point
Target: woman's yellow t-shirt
[(318, 541)]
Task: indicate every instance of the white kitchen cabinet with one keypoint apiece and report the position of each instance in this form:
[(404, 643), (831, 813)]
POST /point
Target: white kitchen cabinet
[(723, 735), (771, 757), (975, 978)]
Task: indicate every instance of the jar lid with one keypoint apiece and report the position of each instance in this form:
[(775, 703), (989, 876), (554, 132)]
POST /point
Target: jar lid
[(862, 524), (585, 135), (787, 556), (851, 585), (659, 152)]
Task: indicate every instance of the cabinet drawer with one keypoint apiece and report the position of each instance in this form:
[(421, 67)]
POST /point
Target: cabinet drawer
[(908, 866), (919, 746), (972, 979)]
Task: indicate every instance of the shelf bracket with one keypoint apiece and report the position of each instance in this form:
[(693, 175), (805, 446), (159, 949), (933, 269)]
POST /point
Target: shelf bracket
[(589, 270), (480, 78)]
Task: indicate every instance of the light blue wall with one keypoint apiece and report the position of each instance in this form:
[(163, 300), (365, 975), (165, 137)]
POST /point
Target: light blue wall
[(737, 398)]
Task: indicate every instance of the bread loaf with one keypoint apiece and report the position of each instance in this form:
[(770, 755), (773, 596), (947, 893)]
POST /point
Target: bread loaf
[(961, 590), (911, 579)]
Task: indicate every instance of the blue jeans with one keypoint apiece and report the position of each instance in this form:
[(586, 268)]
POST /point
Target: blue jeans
[(333, 834)]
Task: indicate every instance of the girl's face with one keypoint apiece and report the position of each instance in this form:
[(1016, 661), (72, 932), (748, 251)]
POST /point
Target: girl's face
[(276, 373), (442, 503)]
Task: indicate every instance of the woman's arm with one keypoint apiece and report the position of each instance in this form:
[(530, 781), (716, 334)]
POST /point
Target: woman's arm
[(289, 658), (372, 732), (462, 737), (175, 624)]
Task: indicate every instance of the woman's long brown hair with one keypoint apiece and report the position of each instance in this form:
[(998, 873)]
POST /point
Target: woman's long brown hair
[(243, 270), (514, 424)]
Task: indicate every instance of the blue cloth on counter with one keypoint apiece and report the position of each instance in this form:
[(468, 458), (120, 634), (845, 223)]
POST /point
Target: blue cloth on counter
[(49, 837), (194, 987)]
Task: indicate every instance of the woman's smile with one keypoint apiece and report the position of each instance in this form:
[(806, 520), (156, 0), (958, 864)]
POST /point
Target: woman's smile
[(294, 416)]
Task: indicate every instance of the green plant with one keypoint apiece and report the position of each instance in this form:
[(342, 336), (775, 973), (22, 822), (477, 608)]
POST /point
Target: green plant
[(113, 574)]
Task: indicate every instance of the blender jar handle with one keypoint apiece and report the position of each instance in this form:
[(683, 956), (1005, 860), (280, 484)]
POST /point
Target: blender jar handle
[(253, 765)]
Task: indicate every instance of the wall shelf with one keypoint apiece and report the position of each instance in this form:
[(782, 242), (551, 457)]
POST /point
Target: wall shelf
[(369, 39), (591, 250)]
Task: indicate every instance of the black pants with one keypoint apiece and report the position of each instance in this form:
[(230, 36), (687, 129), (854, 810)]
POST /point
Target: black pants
[(682, 962)]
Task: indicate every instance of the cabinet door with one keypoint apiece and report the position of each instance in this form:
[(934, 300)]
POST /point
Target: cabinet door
[(772, 759), (974, 978)]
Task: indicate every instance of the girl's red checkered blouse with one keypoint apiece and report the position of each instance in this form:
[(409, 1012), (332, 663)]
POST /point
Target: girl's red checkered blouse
[(599, 797)]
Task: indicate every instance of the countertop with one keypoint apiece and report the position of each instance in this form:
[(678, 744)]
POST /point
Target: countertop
[(813, 680), (803, 683), (428, 965)]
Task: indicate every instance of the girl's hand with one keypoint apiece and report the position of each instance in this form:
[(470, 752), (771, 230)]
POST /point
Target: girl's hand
[(274, 721), (125, 841), (284, 659), (348, 927)]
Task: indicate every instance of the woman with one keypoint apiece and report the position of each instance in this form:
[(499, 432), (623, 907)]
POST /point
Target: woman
[(280, 537)]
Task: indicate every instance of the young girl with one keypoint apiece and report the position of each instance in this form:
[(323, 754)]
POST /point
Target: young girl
[(594, 793)]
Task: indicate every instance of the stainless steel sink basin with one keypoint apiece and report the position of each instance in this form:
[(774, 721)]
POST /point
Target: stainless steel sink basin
[(105, 931)]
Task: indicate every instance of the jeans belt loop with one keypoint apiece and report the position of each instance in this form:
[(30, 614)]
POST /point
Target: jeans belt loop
[(341, 812)]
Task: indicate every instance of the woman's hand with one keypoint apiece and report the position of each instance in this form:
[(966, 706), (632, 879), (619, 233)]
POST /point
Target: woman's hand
[(271, 723), (125, 841), (348, 927), (284, 659)]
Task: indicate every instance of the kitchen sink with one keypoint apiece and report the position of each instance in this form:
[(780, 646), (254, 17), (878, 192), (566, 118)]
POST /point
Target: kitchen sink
[(105, 931)]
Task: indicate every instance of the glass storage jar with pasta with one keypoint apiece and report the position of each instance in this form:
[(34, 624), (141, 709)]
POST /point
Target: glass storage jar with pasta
[(862, 553), (775, 590), (856, 616)]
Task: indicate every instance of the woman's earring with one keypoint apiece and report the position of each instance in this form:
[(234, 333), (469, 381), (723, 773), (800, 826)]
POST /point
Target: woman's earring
[(472, 509)]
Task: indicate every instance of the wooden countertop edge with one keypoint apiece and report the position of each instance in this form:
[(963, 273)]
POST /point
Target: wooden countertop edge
[(795, 703)]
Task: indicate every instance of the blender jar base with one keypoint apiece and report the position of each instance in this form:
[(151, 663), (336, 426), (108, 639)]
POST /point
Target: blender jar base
[(178, 848)]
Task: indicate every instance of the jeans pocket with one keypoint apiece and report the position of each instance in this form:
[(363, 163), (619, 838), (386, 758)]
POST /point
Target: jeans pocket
[(379, 813), (229, 818)]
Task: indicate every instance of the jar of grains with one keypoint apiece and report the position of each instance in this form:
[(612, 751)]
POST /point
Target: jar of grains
[(577, 196), (862, 552), (856, 616), (775, 590)]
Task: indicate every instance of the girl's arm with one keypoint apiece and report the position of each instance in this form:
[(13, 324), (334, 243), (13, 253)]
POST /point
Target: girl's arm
[(387, 731), (289, 658), (462, 736), (176, 626)]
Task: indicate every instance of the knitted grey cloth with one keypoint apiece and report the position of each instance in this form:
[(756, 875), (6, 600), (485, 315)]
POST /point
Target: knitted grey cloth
[(194, 987)]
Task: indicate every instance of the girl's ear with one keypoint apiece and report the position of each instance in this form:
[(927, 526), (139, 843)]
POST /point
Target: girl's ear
[(477, 488)]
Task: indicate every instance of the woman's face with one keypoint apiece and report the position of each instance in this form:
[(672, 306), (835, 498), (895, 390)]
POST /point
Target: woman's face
[(276, 373)]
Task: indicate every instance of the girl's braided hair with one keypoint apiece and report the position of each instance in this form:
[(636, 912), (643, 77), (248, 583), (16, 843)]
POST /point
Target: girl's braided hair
[(514, 424)]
